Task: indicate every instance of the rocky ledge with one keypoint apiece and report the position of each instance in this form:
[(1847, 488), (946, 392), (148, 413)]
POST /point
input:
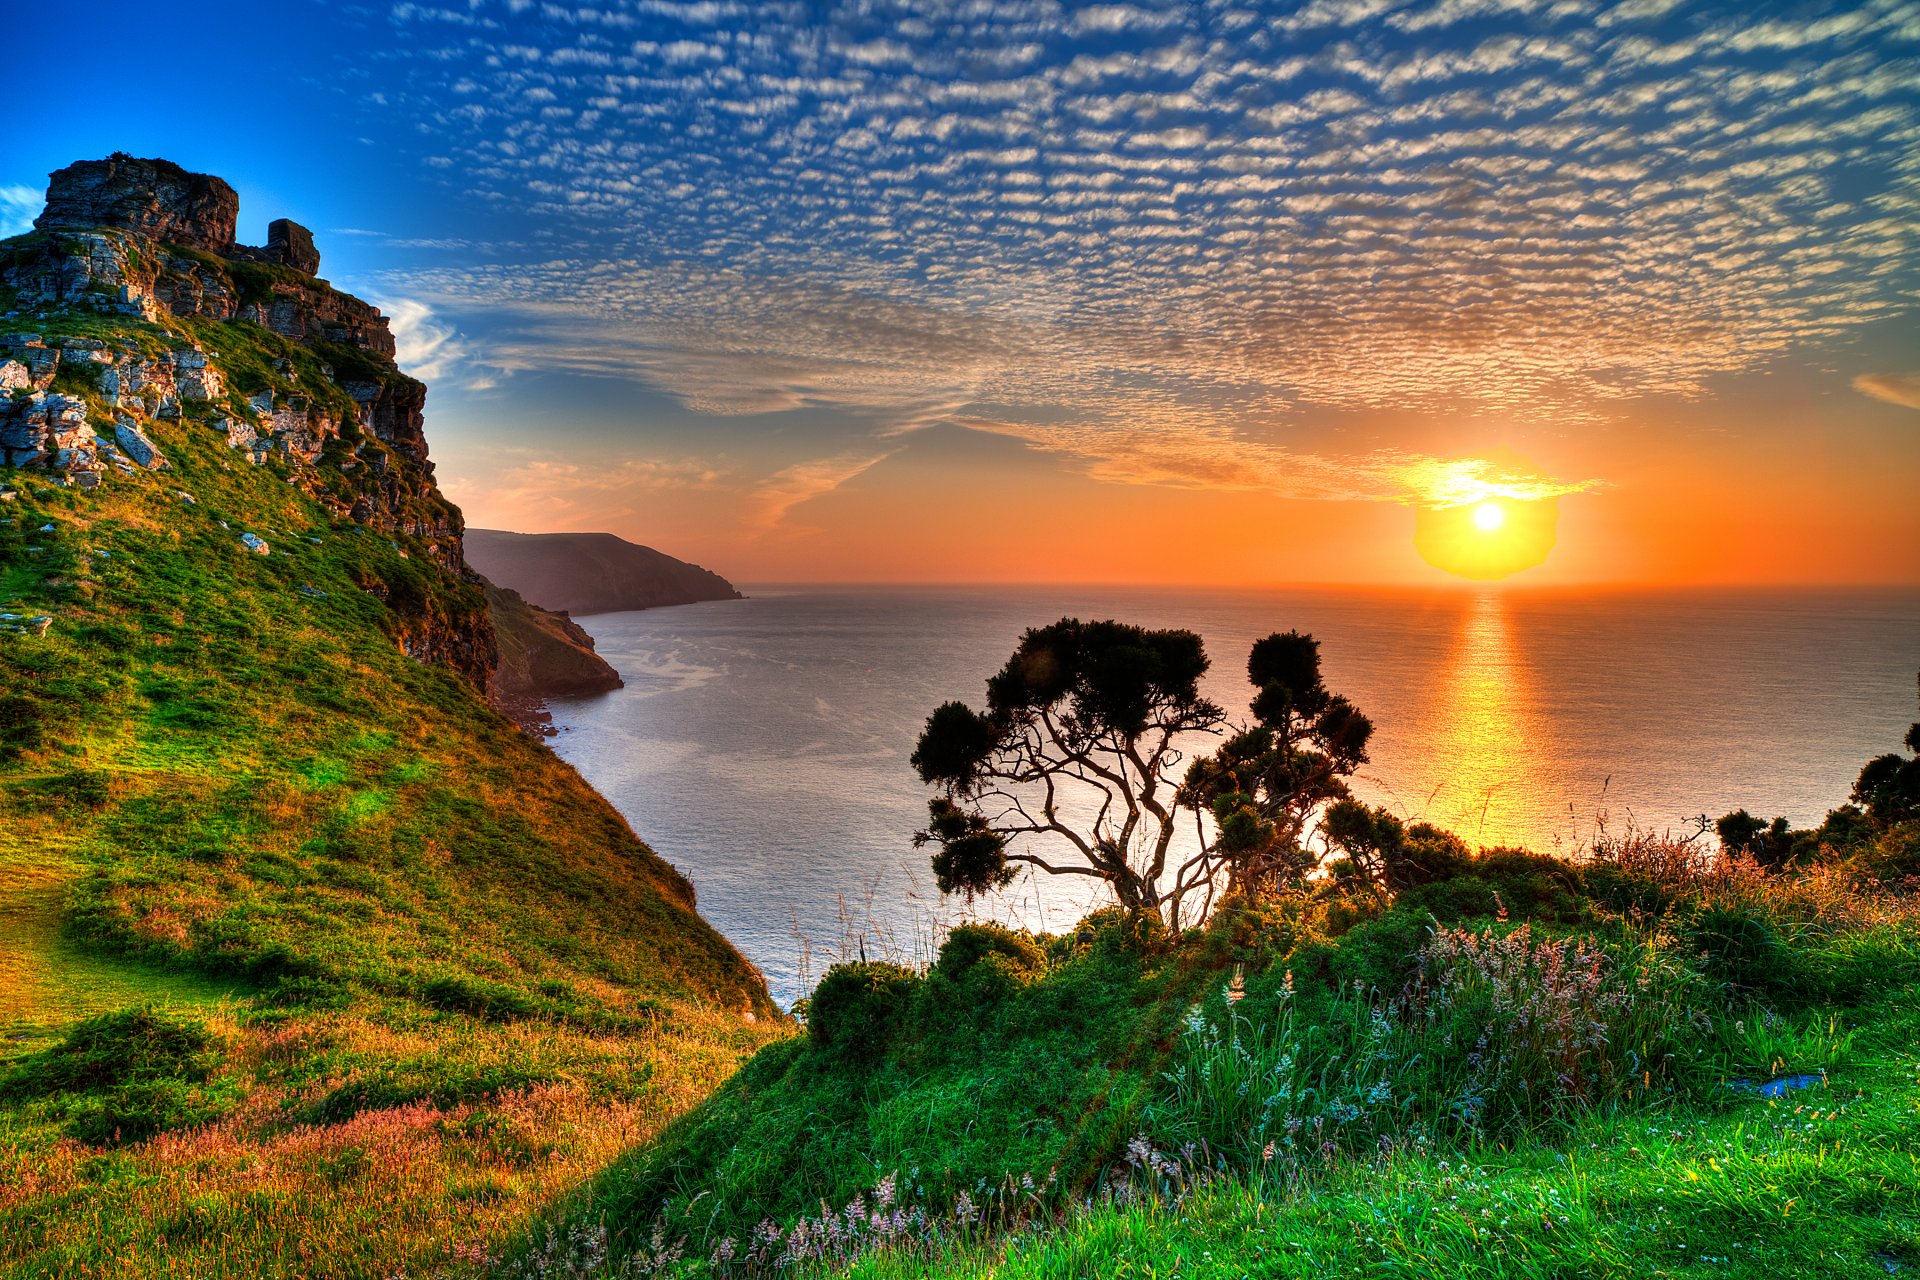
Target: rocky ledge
[(132, 307)]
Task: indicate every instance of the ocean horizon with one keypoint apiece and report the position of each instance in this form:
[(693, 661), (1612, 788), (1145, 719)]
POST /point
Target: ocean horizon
[(762, 744)]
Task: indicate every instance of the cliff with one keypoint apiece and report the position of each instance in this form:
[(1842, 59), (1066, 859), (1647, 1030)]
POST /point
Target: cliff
[(542, 655), (256, 804), (585, 573), (133, 307)]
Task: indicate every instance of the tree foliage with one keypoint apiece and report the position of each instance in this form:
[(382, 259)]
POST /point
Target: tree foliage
[(1073, 767)]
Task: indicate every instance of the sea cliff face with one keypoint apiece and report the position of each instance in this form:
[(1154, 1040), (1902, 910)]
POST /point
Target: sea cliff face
[(587, 573), (133, 303)]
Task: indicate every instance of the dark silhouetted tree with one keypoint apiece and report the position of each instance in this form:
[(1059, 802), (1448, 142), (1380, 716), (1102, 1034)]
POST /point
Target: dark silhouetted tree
[(1071, 769), (1268, 785), (1772, 845), (1889, 787)]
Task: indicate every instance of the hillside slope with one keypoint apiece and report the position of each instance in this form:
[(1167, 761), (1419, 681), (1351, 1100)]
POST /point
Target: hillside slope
[(247, 771), (542, 655), (590, 572)]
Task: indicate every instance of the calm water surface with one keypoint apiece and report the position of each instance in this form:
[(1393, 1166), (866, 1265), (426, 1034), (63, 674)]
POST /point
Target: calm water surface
[(761, 745)]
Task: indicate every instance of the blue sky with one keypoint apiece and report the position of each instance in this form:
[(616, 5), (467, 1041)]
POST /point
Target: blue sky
[(732, 278)]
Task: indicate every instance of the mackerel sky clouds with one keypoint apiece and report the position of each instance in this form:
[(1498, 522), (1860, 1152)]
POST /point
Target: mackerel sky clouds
[(714, 272)]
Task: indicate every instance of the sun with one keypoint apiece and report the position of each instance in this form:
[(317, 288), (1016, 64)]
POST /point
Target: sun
[(1488, 538)]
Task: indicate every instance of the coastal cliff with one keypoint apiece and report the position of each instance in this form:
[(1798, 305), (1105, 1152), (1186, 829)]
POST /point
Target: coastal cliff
[(134, 305), (273, 865), (542, 655), (586, 573)]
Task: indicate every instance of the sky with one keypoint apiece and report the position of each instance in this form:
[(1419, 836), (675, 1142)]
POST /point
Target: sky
[(1209, 292)]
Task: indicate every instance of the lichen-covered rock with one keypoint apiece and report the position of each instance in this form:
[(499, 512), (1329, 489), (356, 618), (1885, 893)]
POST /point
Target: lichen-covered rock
[(40, 361), (134, 443), (255, 543), (14, 376), (154, 198)]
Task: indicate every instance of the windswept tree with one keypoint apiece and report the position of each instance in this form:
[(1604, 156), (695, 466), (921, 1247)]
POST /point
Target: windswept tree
[(1268, 785), (1075, 768)]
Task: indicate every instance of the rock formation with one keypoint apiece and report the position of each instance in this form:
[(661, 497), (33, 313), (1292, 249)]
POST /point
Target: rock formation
[(291, 245), (156, 199), (321, 398)]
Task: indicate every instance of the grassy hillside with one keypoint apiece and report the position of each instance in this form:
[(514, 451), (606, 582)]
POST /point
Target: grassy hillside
[(310, 962), (1524, 1067)]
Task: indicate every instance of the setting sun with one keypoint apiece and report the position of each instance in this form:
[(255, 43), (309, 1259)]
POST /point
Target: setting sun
[(1487, 539)]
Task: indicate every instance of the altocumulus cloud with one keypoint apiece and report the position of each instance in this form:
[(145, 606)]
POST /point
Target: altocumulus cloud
[(1147, 236), (1894, 388)]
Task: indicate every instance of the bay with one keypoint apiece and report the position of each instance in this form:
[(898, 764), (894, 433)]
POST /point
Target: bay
[(762, 745)]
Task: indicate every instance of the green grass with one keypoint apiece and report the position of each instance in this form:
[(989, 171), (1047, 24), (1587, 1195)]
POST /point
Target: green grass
[(441, 977), (1820, 1184), (1234, 1101)]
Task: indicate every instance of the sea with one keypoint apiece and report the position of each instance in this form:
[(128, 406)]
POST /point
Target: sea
[(761, 745)]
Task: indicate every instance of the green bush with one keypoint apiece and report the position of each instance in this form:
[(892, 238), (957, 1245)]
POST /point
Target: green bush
[(1893, 858), (856, 1007), (124, 1076), (1002, 952), (494, 1001), (1741, 947)]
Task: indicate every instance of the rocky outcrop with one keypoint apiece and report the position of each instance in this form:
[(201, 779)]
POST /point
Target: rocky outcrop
[(156, 199), (149, 240), (291, 245), (589, 573), (542, 655)]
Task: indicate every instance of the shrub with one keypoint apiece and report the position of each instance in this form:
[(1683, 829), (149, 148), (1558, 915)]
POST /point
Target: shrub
[(21, 726), (1741, 947), (856, 1007), (1893, 858), (999, 951), (1119, 931), (114, 1048), (494, 1001), (125, 1076)]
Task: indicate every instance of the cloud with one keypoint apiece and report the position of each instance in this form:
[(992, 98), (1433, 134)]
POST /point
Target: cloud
[(775, 497), (1153, 240), (526, 489), (19, 206), (434, 351), (1894, 388)]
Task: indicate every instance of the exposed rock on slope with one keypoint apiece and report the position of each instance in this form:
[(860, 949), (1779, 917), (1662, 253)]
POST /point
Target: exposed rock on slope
[(542, 655), (244, 344), (586, 573)]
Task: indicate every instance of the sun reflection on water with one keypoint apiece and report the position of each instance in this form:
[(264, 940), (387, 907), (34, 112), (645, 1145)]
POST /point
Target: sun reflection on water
[(1481, 736)]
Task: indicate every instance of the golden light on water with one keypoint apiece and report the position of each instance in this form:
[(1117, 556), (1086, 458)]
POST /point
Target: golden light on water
[(1479, 736)]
